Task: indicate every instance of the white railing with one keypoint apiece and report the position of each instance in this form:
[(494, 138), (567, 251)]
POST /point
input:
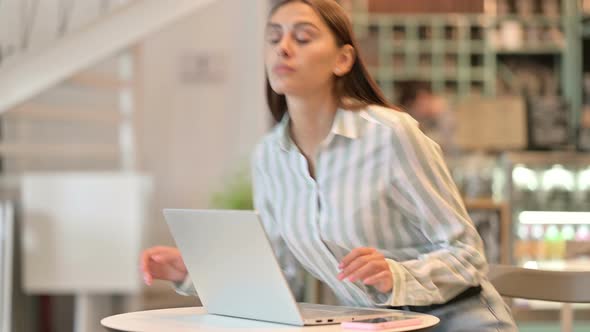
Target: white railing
[(35, 71), (30, 25)]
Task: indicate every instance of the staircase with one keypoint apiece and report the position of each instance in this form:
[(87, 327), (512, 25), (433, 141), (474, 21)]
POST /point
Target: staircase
[(78, 50), (82, 50), (83, 123), (32, 25)]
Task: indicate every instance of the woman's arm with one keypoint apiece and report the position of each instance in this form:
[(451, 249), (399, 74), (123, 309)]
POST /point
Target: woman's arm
[(424, 188)]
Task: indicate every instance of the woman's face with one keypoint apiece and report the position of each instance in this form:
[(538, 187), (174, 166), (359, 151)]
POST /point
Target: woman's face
[(301, 53)]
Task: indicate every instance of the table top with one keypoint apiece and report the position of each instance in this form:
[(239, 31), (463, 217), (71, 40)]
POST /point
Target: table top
[(196, 319)]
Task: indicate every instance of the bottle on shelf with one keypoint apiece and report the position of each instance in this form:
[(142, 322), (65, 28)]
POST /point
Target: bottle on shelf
[(568, 232), (583, 233), (523, 246), (510, 35), (526, 185), (554, 243), (559, 184), (537, 243)]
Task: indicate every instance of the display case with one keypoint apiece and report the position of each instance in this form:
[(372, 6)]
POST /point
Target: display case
[(549, 198)]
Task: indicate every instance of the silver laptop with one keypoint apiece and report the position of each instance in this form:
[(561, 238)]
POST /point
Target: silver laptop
[(235, 272)]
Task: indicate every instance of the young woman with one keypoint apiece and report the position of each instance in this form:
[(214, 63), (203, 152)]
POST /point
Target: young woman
[(352, 189)]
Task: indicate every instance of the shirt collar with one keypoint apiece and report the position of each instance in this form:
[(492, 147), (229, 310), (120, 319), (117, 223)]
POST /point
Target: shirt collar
[(347, 123)]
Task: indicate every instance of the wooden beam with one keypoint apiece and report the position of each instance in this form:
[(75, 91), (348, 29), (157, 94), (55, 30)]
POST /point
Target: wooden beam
[(54, 113), (98, 81), (50, 151)]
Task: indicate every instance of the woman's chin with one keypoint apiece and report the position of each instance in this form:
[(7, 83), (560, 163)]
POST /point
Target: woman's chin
[(293, 90), (286, 86), (283, 90)]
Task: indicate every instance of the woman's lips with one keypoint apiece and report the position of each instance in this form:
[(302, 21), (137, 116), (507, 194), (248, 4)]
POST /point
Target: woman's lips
[(282, 69)]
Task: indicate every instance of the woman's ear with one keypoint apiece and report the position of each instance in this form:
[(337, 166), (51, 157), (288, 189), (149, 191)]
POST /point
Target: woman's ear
[(345, 60)]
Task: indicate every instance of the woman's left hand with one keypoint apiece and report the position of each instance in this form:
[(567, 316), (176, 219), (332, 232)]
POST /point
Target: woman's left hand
[(368, 265)]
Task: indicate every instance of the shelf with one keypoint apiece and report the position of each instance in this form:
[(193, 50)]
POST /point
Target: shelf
[(426, 47), (392, 74), (412, 42), (550, 50), (532, 19), (548, 158), (57, 151), (473, 47), (401, 47), (477, 74), (53, 113), (418, 19), (553, 218)]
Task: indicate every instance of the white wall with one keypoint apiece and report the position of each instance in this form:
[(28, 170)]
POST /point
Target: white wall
[(195, 131)]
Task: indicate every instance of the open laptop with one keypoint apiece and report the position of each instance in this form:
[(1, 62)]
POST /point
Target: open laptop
[(235, 272)]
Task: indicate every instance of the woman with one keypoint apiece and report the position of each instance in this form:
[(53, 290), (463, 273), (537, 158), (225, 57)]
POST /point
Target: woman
[(352, 189)]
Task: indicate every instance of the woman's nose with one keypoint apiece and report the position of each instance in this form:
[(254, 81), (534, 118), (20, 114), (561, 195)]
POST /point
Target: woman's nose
[(284, 48)]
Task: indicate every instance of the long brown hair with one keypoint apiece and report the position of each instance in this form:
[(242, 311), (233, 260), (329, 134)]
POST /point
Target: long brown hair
[(356, 88)]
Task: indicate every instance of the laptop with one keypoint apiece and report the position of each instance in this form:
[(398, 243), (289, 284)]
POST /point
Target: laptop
[(233, 267)]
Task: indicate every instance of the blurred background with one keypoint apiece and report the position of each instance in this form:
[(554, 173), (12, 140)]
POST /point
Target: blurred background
[(111, 110)]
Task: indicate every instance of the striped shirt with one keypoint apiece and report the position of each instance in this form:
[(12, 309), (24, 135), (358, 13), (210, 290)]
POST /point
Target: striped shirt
[(381, 183)]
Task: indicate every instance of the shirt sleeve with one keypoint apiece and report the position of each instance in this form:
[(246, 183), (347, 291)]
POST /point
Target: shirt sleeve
[(290, 266), (454, 259)]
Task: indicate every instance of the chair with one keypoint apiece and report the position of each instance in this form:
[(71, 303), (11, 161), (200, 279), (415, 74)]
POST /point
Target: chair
[(546, 285)]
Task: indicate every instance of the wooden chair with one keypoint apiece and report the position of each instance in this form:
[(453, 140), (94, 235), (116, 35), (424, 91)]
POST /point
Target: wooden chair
[(546, 285)]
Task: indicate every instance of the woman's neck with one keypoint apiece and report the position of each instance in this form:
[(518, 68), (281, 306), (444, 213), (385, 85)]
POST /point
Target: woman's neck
[(311, 120)]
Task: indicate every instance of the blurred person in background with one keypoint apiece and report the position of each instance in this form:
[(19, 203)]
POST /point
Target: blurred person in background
[(430, 110), (351, 189)]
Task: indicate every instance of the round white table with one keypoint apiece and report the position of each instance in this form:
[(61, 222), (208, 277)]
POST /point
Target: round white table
[(196, 319)]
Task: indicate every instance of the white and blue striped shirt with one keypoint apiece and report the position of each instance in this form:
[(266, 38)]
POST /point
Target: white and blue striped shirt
[(381, 183)]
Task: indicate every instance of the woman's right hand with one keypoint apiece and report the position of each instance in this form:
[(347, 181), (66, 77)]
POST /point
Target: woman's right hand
[(163, 263)]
